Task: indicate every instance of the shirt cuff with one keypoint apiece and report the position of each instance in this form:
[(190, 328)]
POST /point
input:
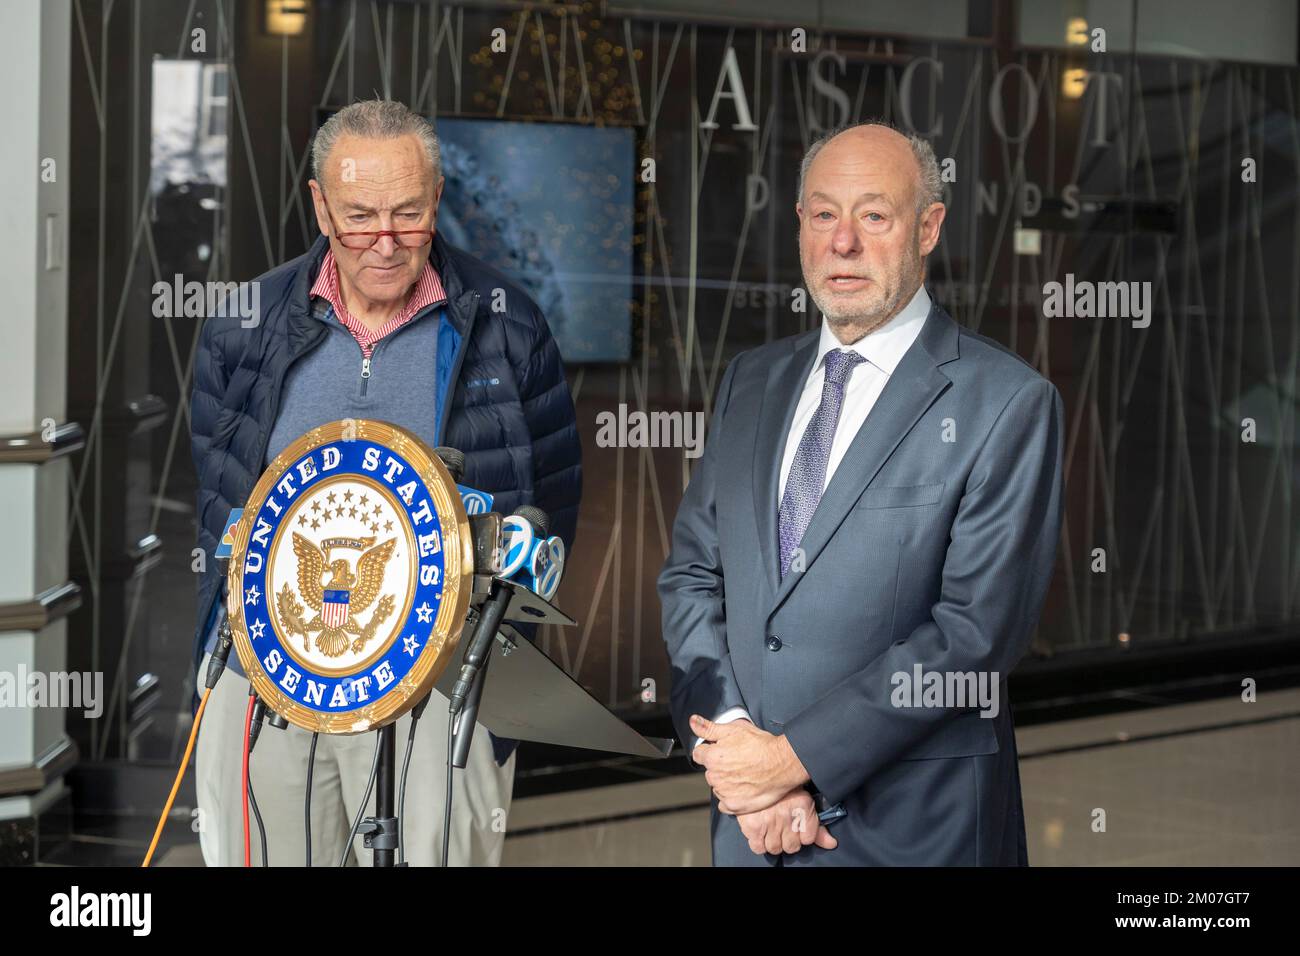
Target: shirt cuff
[(726, 717)]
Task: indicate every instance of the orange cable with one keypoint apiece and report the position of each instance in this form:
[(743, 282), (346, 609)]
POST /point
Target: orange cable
[(180, 775)]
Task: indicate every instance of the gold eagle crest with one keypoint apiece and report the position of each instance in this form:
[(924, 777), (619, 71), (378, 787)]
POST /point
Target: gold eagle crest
[(351, 594)]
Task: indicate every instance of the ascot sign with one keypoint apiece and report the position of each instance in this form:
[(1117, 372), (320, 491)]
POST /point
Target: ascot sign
[(1105, 85), (350, 577)]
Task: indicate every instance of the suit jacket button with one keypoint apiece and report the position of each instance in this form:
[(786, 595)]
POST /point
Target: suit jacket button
[(774, 643)]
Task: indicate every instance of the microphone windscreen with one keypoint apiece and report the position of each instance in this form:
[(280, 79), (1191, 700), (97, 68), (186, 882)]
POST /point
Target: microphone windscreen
[(537, 517), (454, 459)]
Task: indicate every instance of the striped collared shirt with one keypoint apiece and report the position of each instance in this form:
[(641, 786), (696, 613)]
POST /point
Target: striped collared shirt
[(428, 290)]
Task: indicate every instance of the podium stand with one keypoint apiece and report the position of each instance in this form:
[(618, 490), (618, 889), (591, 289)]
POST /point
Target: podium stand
[(527, 696)]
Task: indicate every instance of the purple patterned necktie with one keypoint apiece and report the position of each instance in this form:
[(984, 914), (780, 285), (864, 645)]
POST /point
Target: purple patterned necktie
[(807, 478)]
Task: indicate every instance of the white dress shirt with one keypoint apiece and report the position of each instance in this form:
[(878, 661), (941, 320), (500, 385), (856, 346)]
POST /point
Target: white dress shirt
[(883, 349)]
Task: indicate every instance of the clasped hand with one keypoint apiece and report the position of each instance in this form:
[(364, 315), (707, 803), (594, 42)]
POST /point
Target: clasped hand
[(758, 779)]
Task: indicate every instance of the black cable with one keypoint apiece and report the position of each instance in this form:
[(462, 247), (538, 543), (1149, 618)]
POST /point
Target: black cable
[(446, 810), (416, 713), (361, 810), (401, 793), (252, 802), (311, 765)]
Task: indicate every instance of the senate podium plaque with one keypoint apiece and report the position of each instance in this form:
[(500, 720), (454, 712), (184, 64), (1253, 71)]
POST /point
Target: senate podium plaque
[(350, 577)]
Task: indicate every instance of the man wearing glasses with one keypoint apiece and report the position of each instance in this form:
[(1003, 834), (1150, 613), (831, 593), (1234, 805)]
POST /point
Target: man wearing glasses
[(380, 319)]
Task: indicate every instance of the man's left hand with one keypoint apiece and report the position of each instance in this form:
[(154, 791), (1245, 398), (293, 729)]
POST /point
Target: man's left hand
[(748, 769)]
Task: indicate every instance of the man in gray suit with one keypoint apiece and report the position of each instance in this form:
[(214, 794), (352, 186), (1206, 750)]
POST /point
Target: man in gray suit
[(863, 551)]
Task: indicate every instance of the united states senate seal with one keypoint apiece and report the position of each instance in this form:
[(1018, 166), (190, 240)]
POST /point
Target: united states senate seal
[(350, 577)]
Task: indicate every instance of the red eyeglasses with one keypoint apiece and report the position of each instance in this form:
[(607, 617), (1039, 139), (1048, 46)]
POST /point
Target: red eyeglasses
[(409, 238)]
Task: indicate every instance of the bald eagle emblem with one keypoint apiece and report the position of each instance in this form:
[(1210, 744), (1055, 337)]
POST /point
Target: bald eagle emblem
[(336, 593)]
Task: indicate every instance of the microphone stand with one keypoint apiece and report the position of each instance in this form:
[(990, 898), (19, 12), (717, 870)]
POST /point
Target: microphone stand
[(380, 831), (463, 731)]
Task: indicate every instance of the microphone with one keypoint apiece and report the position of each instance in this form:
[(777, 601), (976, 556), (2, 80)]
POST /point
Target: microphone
[(546, 567), (490, 618), (539, 518), (531, 558), (519, 533), (475, 502), (454, 459)]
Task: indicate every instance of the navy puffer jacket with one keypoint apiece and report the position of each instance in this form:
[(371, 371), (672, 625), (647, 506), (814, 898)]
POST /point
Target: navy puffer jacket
[(515, 424)]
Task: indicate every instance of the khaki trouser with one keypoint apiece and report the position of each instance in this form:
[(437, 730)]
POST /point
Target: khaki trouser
[(278, 769)]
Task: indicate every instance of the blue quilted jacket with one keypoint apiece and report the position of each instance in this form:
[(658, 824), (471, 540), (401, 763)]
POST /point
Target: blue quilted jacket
[(501, 398)]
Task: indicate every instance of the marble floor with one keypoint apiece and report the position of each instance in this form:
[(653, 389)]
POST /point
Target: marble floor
[(1214, 783)]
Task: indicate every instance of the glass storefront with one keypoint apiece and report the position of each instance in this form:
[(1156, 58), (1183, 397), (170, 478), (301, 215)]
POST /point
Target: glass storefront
[(1162, 178)]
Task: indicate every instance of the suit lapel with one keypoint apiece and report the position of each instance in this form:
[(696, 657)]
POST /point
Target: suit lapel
[(785, 380), (910, 391)]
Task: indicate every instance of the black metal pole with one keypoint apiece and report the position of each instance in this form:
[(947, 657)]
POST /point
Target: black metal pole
[(385, 842)]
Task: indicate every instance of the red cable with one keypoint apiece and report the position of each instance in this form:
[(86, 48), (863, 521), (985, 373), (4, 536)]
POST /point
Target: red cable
[(248, 726)]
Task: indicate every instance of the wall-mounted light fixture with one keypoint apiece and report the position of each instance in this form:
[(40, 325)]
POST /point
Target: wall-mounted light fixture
[(286, 17), (1076, 31), (1073, 83)]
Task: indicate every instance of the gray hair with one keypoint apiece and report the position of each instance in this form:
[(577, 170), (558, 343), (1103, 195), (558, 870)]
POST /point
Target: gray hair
[(930, 187), (374, 119)]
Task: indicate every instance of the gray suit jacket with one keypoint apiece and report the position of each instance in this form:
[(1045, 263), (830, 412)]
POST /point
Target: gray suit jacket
[(933, 545)]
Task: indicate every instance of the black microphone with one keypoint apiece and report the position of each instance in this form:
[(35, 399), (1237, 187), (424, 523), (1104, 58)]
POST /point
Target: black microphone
[(454, 459), (538, 518), (490, 618)]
